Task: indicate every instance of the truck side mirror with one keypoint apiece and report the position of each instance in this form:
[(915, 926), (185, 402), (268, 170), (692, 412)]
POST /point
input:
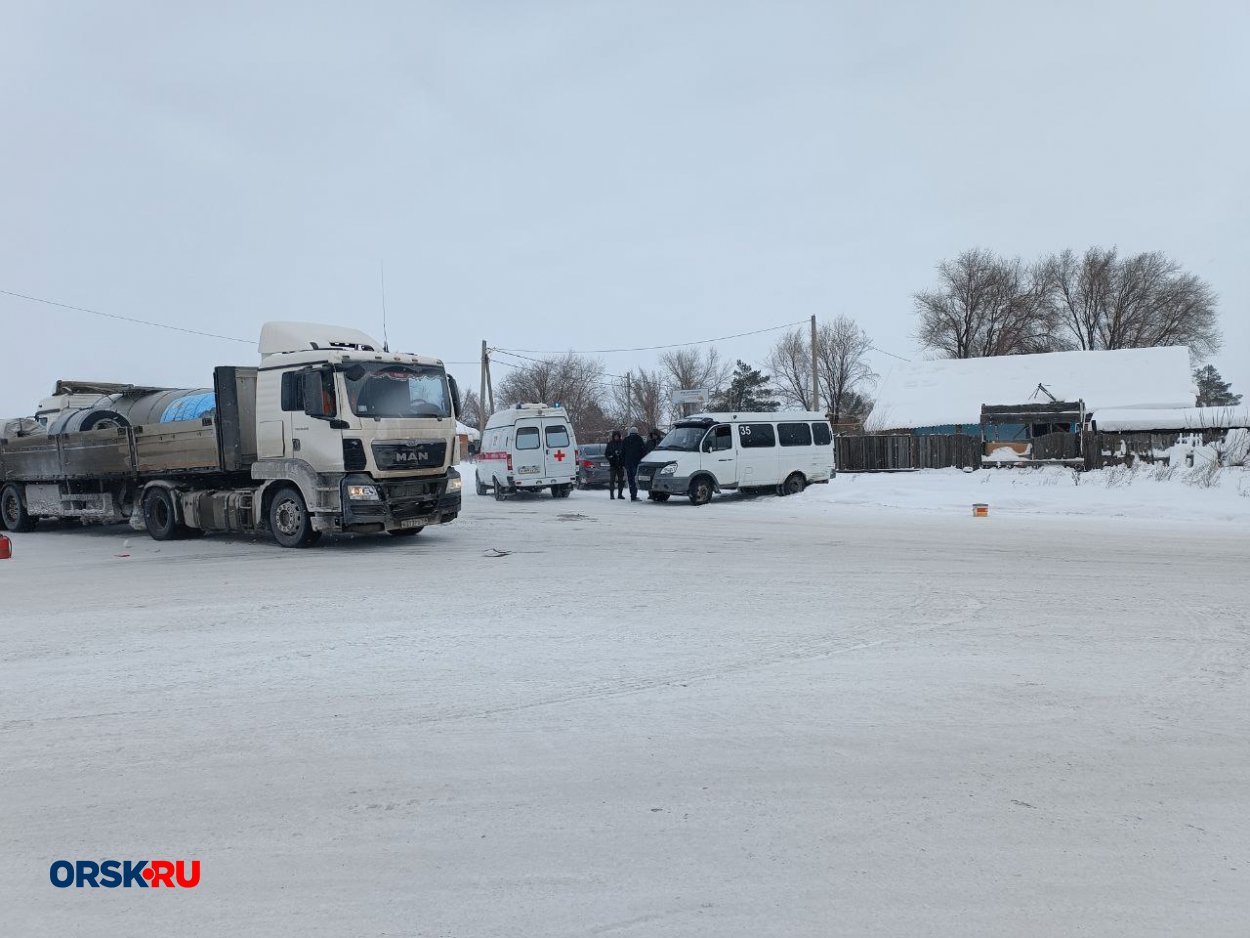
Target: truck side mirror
[(315, 397), (456, 406)]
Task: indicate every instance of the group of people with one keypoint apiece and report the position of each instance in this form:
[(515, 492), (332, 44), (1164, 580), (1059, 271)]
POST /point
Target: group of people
[(623, 456)]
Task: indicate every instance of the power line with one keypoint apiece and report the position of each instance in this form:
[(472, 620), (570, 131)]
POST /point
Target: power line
[(891, 354), (499, 351), (652, 348), (141, 322)]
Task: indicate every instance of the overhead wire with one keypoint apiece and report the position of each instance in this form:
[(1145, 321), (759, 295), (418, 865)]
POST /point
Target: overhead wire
[(131, 319)]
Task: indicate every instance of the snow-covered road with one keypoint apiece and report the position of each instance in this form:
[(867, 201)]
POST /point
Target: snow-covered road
[(804, 716)]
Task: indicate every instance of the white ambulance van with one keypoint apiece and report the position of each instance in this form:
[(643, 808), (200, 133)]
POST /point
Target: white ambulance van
[(527, 448), (783, 451)]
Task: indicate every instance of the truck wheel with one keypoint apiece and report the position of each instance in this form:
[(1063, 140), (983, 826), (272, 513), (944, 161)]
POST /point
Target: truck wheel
[(289, 519), (159, 517), (701, 491), (13, 514), (794, 484)]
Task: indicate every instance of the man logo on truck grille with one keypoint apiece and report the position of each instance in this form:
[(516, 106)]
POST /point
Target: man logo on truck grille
[(411, 456)]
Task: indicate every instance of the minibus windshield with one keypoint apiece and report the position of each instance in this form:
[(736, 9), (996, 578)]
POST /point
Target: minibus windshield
[(684, 439)]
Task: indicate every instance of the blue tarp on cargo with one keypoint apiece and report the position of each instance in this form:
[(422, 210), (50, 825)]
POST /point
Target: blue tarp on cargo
[(189, 408)]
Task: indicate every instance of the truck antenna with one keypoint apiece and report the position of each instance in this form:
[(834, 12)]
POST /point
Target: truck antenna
[(386, 342)]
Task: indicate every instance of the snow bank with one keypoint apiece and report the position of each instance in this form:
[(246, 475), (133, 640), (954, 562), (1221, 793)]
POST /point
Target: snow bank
[(1202, 494), (951, 391), (1181, 418)]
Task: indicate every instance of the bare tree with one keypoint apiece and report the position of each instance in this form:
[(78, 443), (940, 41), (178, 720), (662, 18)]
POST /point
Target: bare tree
[(842, 348), (572, 380), (790, 361), (986, 305), (1109, 302), (471, 412), (642, 401), (692, 369), (842, 368)]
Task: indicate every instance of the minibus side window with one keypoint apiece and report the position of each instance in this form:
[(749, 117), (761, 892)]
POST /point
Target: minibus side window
[(756, 435), (823, 434), (719, 439), (794, 434)]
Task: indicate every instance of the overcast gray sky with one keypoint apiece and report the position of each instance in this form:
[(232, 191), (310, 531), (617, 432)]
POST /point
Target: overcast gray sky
[(582, 175)]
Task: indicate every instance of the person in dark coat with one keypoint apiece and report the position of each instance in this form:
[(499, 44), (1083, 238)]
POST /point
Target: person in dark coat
[(654, 437), (615, 455), (633, 449)]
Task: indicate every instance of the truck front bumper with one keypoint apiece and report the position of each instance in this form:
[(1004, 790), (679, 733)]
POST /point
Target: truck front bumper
[(412, 503)]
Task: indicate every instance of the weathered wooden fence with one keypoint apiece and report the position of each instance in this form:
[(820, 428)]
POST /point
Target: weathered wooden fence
[(892, 452)]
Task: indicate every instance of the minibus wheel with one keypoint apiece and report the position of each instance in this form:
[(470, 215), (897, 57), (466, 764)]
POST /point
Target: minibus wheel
[(701, 491), (794, 484)]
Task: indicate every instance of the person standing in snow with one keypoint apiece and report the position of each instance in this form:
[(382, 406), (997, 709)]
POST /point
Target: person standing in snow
[(653, 439), (632, 450), (614, 454)]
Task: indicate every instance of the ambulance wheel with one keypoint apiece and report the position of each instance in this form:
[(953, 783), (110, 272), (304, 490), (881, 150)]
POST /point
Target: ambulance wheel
[(561, 491), (289, 519), (159, 516), (701, 491), (794, 484), (498, 491), (658, 496), (13, 514), (477, 484)]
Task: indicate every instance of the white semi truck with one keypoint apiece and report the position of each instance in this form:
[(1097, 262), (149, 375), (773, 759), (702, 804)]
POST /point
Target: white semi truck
[(329, 433)]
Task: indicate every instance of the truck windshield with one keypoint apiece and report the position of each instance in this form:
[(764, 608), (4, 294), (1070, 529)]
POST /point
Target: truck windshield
[(379, 389), (685, 439)]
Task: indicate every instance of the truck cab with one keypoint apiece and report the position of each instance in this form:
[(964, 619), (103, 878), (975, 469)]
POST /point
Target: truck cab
[(369, 436)]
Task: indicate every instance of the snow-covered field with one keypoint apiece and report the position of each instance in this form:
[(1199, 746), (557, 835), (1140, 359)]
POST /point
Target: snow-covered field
[(855, 711)]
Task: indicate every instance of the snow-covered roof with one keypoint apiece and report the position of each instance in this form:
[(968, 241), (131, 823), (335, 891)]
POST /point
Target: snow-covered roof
[(465, 430), (952, 390), (1180, 418)]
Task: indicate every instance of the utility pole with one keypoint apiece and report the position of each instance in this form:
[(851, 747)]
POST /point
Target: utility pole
[(629, 398), (815, 369), (481, 394)]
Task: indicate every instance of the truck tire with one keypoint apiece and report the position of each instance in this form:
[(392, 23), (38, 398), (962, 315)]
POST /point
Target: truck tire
[(289, 519), (159, 516), (13, 514)]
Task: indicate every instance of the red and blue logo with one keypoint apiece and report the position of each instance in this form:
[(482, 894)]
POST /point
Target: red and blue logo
[(110, 874)]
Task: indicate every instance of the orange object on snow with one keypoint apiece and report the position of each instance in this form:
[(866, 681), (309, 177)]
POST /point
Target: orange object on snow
[(980, 510)]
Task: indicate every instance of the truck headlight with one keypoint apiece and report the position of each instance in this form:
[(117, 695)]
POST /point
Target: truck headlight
[(670, 469), (363, 493), (455, 485)]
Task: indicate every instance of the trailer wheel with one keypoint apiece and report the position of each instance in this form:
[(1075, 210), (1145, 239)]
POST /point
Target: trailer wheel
[(159, 517), (13, 514), (289, 519)]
